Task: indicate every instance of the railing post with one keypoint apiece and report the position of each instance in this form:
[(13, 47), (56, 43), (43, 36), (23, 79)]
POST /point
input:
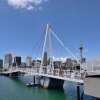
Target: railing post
[(34, 80)]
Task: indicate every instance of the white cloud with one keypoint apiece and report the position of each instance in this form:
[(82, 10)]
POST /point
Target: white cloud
[(27, 4), (63, 59), (30, 8)]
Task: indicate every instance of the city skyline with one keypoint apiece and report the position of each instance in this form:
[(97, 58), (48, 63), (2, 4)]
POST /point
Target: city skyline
[(22, 25)]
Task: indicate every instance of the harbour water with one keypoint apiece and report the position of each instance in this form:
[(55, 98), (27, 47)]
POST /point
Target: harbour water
[(16, 89)]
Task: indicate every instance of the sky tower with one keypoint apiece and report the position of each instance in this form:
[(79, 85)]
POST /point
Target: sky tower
[(81, 52)]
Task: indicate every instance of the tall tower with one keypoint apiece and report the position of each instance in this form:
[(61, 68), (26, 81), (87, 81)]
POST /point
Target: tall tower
[(8, 60), (81, 52), (45, 59)]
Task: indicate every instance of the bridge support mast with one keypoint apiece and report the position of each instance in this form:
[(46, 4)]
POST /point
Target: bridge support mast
[(45, 40)]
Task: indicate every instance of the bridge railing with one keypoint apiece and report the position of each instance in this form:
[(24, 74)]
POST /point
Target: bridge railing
[(56, 72), (64, 73)]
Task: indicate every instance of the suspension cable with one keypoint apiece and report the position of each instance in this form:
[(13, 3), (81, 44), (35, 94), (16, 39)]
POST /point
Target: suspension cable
[(66, 48), (71, 48), (39, 44)]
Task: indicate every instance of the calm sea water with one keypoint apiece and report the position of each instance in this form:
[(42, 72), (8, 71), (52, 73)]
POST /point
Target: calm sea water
[(16, 89)]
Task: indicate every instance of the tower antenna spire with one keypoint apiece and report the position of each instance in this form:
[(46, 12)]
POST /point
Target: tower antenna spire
[(81, 51)]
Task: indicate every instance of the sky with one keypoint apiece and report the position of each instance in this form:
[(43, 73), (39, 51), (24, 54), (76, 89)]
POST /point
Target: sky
[(23, 21)]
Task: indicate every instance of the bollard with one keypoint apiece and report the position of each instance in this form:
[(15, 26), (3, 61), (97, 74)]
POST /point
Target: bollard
[(82, 96), (78, 92), (34, 80)]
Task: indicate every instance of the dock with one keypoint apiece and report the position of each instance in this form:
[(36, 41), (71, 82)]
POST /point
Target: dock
[(31, 84)]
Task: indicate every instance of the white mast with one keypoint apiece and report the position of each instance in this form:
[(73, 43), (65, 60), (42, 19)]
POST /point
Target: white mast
[(45, 40), (50, 51)]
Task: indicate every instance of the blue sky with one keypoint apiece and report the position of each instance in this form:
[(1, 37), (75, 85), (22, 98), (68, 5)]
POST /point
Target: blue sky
[(21, 24)]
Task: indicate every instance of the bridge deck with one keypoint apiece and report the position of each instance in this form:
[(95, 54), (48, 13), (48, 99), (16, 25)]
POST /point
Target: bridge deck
[(68, 76)]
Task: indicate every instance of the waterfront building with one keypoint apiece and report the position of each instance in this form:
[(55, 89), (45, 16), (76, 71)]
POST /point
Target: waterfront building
[(1, 63), (57, 64), (69, 63), (93, 64), (37, 64), (74, 61), (17, 61), (63, 65), (75, 64), (28, 61), (8, 60)]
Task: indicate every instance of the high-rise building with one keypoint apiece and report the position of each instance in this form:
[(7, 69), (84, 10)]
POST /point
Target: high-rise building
[(33, 62), (69, 63), (28, 61), (45, 59), (8, 60), (57, 64), (17, 61), (37, 64), (1, 63)]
